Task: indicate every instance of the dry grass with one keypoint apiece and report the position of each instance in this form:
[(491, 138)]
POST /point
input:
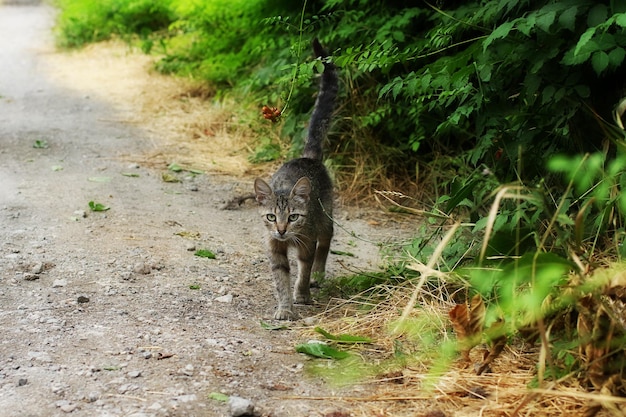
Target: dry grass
[(178, 116), (409, 387)]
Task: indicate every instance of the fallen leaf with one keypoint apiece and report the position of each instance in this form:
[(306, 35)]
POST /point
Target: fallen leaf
[(218, 396), (204, 253), (268, 326), (343, 338), (321, 350)]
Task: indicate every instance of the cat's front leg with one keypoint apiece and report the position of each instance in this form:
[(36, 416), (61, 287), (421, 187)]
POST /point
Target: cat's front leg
[(302, 289), (279, 264)]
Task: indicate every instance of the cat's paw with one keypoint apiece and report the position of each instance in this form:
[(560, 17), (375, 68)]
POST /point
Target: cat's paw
[(285, 314), (302, 299)]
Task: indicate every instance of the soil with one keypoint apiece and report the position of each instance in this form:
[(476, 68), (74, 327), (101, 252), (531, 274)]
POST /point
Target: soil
[(109, 313)]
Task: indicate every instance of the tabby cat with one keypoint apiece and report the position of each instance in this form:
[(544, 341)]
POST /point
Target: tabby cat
[(296, 205)]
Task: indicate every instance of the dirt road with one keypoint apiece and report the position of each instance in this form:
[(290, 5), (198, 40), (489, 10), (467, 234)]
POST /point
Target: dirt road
[(109, 313)]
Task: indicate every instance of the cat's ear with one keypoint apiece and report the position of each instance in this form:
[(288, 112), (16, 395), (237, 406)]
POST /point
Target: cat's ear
[(301, 190), (262, 190)]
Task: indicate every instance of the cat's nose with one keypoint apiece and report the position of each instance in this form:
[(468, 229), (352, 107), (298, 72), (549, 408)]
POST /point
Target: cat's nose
[(281, 231)]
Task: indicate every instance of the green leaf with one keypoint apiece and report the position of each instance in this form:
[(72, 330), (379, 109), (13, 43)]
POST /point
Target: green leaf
[(174, 167), (343, 338), (498, 33), (99, 179), (321, 350), (194, 287), (548, 94), (567, 19), (584, 39), (616, 57), (460, 195), (268, 326), (204, 253), (597, 15), (167, 177), (545, 21), (130, 174), (599, 61), (341, 253), (40, 144), (620, 19), (97, 206), (218, 396)]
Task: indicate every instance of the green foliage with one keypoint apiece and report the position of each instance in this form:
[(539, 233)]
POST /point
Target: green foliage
[(83, 21)]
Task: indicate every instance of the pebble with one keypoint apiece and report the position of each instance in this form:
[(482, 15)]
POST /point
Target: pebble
[(39, 356), (30, 277), (191, 247), (228, 298), (82, 299), (240, 407), (21, 382), (186, 398), (134, 374), (155, 406), (37, 268), (59, 283), (80, 213), (311, 321), (123, 389), (93, 396), (141, 268), (187, 370)]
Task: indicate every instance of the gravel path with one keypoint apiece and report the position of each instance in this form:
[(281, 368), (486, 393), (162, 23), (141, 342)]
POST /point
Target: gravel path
[(109, 313)]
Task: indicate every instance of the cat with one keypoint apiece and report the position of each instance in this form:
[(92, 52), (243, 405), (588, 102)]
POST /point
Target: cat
[(296, 205)]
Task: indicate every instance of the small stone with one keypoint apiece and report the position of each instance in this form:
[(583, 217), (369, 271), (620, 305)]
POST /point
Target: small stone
[(123, 389), (240, 407), (311, 321), (186, 398), (37, 268), (155, 406), (187, 370), (93, 396), (228, 298), (134, 374), (141, 268), (146, 355), (30, 277), (191, 247), (82, 299), (58, 283), (80, 213), (21, 382)]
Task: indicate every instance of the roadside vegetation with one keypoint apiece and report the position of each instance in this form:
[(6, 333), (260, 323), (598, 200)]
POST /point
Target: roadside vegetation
[(497, 124)]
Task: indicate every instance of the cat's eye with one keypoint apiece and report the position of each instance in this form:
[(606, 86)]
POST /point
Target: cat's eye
[(271, 217), (293, 217)]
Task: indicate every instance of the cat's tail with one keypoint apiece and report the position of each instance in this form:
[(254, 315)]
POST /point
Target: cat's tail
[(324, 106)]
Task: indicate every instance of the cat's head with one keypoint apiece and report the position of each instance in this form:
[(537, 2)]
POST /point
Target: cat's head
[(284, 211)]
